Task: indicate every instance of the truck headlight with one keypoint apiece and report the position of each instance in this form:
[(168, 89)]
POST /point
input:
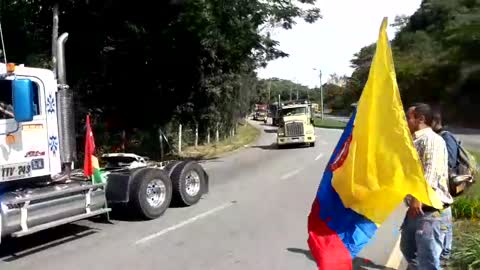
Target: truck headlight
[(281, 133), (309, 131)]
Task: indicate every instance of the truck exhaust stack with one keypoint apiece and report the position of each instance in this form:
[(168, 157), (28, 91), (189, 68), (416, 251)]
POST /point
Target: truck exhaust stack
[(65, 105), (62, 78)]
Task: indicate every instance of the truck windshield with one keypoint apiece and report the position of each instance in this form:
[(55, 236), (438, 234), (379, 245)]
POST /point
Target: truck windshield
[(294, 111), (6, 108), (6, 100)]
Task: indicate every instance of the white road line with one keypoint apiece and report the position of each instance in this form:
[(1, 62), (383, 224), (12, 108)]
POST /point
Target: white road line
[(184, 223), (395, 259), (290, 174), (319, 156)]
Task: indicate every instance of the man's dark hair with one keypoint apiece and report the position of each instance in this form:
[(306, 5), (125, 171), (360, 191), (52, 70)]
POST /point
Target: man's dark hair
[(437, 116), (423, 109)]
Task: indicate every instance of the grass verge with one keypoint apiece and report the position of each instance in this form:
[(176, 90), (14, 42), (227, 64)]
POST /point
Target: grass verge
[(466, 245), (468, 204), (328, 123), (246, 134), (466, 229)]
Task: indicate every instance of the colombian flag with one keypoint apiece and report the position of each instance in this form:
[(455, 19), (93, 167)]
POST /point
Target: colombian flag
[(373, 167), (91, 167)]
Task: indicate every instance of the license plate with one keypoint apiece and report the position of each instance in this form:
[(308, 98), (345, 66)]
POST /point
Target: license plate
[(295, 139), (15, 171)]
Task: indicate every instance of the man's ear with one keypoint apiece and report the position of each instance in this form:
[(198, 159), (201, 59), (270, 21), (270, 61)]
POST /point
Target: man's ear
[(421, 119)]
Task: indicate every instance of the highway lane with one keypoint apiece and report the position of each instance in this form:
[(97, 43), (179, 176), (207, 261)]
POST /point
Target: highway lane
[(254, 217)]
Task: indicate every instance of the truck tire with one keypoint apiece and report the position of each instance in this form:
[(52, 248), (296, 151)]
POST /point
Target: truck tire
[(188, 183), (312, 144), (171, 166), (150, 193)]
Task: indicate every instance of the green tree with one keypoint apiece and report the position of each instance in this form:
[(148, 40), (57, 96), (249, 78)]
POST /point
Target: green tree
[(148, 64), (436, 58)]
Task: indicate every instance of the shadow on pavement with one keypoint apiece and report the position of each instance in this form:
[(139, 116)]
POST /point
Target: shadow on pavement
[(16, 248), (270, 130), (358, 263), (304, 252), (272, 146), (366, 264)]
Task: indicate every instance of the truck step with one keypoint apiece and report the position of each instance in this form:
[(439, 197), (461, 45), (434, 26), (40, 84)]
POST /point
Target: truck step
[(61, 222)]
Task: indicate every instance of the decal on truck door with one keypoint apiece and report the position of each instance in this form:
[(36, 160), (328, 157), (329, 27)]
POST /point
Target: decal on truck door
[(50, 104), (35, 154), (53, 144)]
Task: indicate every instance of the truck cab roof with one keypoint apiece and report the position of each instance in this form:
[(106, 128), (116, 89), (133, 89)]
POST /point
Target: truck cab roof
[(295, 106), (27, 71)]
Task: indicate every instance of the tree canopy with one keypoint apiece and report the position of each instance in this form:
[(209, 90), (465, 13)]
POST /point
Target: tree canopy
[(146, 63), (436, 58)]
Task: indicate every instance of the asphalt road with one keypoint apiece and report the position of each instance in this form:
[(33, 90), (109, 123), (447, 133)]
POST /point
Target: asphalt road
[(469, 137), (255, 217)]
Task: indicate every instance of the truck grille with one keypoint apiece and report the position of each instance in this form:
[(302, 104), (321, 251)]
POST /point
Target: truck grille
[(294, 129)]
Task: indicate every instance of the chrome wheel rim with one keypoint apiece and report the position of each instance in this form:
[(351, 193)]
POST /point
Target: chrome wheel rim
[(156, 193), (192, 183)]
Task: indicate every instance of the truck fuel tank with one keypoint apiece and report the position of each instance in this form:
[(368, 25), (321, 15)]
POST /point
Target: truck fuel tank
[(26, 209)]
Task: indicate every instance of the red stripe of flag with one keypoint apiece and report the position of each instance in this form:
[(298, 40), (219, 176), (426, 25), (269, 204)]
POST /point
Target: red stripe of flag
[(89, 149)]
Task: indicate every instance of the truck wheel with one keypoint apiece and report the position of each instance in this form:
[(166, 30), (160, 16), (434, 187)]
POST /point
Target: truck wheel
[(188, 182), (312, 144), (150, 193)]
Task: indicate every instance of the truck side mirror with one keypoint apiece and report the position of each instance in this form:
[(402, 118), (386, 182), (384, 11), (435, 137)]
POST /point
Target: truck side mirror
[(23, 100)]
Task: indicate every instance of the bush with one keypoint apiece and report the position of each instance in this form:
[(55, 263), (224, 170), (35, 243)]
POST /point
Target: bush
[(466, 208), (466, 252)]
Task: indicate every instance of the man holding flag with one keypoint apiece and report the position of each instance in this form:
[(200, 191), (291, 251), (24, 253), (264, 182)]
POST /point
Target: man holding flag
[(372, 169), (422, 232)]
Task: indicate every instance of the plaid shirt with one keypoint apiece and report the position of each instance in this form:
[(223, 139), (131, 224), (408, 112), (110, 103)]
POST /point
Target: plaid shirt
[(433, 153)]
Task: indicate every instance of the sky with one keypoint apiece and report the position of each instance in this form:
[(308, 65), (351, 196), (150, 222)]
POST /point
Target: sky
[(331, 42)]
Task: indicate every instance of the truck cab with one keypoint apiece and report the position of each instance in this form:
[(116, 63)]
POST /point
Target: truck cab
[(29, 134), (261, 113), (296, 125)]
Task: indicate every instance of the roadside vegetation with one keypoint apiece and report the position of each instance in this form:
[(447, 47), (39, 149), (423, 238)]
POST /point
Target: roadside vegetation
[(328, 123), (246, 135), (466, 230)]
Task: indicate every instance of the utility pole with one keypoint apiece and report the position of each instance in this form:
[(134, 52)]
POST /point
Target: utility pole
[(321, 92), (269, 89)]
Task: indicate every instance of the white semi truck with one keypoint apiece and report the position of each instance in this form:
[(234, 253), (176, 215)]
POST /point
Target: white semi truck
[(39, 185)]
